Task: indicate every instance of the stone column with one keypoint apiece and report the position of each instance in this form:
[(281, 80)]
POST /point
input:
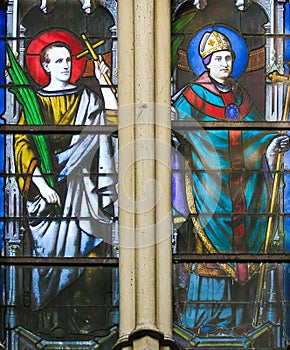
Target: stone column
[(144, 175), (163, 167), (126, 135)]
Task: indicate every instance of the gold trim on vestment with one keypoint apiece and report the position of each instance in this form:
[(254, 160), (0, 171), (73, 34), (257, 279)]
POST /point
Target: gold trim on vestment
[(199, 230)]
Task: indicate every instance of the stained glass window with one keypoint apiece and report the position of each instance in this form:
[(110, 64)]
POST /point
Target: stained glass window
[(59, 174), (230, 108), (230, 174)]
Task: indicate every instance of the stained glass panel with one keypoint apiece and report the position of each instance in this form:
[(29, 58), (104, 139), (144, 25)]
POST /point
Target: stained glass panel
[(59, 174), (230, 108)]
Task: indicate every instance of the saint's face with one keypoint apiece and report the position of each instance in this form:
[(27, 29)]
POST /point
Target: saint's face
[(59, 66), (220, 66)]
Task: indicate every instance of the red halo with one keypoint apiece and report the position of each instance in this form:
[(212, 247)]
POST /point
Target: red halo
[(32, 57)]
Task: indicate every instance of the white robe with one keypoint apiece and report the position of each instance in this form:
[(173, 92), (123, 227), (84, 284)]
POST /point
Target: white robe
[(83, 224)]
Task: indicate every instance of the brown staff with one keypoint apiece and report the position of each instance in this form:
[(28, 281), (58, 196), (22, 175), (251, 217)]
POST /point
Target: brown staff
[(275, 77), (91, 51)]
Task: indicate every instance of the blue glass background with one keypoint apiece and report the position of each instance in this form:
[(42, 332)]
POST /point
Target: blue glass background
[(2, 145), (2, 109)]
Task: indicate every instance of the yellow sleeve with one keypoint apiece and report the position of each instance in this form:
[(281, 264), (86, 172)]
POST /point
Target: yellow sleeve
[(25, 159)]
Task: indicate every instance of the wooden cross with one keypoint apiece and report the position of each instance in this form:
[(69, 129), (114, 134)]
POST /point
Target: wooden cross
[(90, 50)]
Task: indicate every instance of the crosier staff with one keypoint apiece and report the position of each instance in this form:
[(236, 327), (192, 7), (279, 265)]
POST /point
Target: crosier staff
[(275, 77)]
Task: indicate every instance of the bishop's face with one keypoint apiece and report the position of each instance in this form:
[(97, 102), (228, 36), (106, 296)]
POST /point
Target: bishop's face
[(59, 65), (220, 66)]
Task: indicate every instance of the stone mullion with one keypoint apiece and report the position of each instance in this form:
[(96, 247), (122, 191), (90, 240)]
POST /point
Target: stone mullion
[(126, 135), (144, 175), (144, 164), (163, 167)]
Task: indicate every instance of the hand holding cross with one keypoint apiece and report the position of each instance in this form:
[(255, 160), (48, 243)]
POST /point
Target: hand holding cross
[(90, 50)]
